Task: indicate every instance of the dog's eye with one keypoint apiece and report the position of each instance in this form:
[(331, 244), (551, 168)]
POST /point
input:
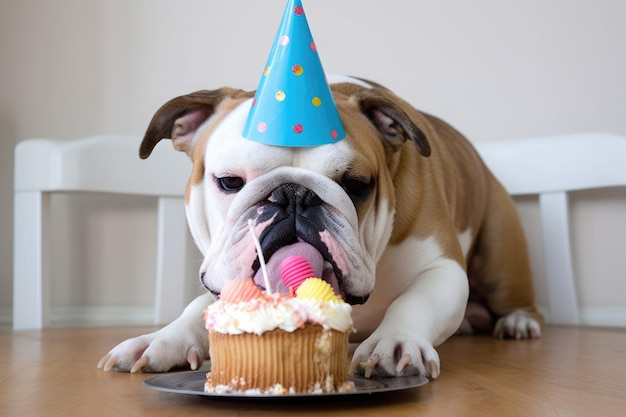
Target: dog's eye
[(230, 184), (356, 188)]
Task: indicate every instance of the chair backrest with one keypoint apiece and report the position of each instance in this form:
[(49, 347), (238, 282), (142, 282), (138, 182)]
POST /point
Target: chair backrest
[(551, 167), (557, 163), (107, 163)]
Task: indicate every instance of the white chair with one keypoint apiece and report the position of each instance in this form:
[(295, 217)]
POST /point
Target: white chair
[(103, 164), (551, 167)]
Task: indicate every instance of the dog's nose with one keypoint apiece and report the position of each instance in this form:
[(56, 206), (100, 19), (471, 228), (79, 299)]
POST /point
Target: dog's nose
[(356, 299), (294, 197)]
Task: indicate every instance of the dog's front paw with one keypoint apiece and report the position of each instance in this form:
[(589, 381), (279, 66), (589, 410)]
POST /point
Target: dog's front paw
[(392, 356), (154, 352), (517, 325)]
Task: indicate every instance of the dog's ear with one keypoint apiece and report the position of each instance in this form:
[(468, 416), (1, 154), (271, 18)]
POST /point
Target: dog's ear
[(392, 122), (179, 119)]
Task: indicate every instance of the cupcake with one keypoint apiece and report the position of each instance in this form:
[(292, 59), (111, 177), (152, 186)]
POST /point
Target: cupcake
[(264, 343)]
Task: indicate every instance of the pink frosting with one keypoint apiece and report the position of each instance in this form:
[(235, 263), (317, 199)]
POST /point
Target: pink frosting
[(294, 270), (240, 290)]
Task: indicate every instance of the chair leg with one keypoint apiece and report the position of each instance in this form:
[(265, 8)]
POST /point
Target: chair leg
[(30, 270), (558, 258), (171, 259)]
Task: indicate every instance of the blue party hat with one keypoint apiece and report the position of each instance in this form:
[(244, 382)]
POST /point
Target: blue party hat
[(293, 105)]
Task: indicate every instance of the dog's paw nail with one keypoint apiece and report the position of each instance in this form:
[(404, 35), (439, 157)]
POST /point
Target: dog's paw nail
[(403, 362), (140, 364), (193, 360), (434, 369), (109, 362), (103, 361), (356, 362), (370, 365)]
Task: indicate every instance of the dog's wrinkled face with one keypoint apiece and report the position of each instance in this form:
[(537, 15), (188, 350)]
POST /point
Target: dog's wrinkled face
[(331, 204), (302, 201)]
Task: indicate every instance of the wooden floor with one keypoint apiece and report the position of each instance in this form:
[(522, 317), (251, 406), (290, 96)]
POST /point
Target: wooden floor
[(569, 372)]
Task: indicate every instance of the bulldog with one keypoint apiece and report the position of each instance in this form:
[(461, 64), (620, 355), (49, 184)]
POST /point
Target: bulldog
[(401, 217)]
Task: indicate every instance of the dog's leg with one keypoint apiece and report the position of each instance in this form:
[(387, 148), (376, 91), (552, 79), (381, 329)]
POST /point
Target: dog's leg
[(425, 315), (501, 272), (182, 343)]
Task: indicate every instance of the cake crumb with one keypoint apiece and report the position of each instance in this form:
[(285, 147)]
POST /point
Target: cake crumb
[(347, 386)]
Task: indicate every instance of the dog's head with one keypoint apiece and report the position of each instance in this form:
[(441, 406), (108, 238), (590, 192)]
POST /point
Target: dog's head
[(331, 204)]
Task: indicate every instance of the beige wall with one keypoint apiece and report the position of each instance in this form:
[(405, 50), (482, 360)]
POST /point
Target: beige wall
[(494, 69)]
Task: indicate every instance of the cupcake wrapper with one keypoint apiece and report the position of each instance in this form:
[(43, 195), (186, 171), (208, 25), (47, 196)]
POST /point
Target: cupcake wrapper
[(309, 359)]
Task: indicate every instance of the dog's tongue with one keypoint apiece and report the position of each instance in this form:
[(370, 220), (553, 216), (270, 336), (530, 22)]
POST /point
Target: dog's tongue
[(301, 249)]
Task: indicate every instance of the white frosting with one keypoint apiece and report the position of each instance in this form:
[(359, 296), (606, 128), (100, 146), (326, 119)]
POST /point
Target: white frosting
[(286, 313), (277, 389)]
